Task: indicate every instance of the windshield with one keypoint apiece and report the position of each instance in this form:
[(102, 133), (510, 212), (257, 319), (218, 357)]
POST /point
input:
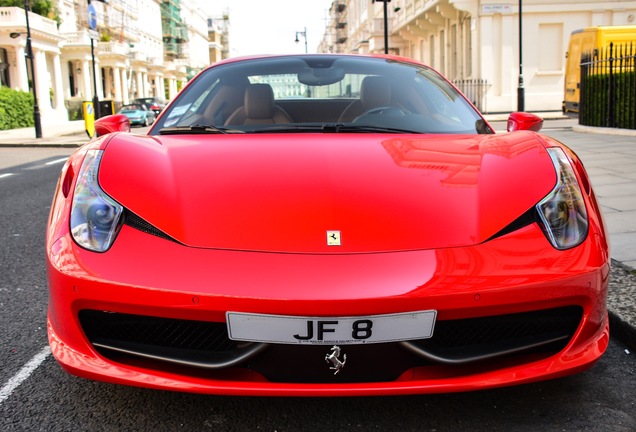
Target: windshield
[(321, 92)]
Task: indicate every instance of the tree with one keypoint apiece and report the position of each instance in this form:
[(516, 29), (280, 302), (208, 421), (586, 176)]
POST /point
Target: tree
[(46, 8)]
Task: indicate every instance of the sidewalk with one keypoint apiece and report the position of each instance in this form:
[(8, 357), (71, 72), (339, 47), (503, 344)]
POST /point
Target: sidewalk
[(609, 156), (70, 134)]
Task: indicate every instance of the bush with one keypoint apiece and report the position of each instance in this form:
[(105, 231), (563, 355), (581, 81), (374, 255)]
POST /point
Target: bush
[(74, 109), (598, 103), (46, 8), (16, 109)]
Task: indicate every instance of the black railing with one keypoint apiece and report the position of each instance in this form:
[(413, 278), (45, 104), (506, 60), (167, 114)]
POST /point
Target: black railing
[(475, 91), (608, 87)]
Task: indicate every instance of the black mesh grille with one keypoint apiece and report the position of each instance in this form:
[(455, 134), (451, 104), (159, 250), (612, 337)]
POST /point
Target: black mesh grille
[(101, 327), (140, 224), (528, 218), (544, 333), (466, 337)]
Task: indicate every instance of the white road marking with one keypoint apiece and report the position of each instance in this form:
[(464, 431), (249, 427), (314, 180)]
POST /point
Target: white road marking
[(6, 175), (56, 161), (23, 373)]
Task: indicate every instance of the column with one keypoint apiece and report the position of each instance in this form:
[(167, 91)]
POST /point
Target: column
[(100, 85), (108, 84), (125, 84), (117, 80), (140, 87), (42, 87), (66, 86), (173, 88), (87, 83), (146, 84), (159, 87), (58, 87), (22, 75)]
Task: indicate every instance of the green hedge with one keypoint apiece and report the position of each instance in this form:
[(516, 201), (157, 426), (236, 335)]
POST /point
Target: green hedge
[(16, 109), (596, 108)]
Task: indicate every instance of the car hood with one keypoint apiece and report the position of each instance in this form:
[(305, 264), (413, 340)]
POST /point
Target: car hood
[(290, 192)]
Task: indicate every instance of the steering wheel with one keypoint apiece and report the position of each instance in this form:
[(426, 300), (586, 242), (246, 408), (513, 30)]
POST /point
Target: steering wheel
[(385, 111)]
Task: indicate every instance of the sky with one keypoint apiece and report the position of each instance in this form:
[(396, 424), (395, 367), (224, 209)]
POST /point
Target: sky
[(270, 26)]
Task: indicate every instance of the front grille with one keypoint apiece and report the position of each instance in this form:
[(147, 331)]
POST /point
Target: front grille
[(164, 332), (189, 343), (197, 346), (473, 339), (134, 221)]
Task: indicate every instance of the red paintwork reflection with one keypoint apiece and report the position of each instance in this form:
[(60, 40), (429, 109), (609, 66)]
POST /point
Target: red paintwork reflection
[(112, 123), (144, 274), (283, 192), (524, 121), (511, 274)]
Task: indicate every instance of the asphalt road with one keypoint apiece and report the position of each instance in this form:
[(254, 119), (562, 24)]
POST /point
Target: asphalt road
[(44, 398)]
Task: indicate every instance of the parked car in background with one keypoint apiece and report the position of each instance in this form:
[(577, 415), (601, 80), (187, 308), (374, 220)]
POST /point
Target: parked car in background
[(152, 104), (138, 114), (326, 225)]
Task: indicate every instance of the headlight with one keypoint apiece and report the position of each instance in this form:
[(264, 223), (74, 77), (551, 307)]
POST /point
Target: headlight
[(563, 211), (94, 215)]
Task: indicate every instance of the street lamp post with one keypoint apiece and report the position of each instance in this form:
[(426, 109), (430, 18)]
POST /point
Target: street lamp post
[(29, 55), (95, 96), (386, 24), (92, 24), (303, 34), (520, 90)]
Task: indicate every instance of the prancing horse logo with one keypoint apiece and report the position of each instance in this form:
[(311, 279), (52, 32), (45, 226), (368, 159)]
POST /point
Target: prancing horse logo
[(334, 360), (333, 238)]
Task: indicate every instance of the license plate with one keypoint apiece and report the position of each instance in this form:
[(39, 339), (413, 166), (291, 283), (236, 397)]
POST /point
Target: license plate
[(330, 330)]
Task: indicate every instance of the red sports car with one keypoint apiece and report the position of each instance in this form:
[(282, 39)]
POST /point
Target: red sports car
[(317, 225)]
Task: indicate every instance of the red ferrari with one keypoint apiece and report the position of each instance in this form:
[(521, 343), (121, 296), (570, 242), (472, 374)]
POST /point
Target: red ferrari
[(316, 225)]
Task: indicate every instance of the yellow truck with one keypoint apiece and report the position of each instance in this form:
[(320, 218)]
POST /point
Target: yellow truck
[(589, 40)]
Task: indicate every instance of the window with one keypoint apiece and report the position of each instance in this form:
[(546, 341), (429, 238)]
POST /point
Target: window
[(4, 68), (454, 54), (551, 43), (468, 49), (442, 52)]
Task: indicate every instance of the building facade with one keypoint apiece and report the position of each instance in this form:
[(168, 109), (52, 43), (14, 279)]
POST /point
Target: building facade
[(475, 43), (131, 53), (218, 37)]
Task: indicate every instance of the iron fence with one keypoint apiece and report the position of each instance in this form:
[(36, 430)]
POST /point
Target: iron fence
[(475, 90), (608, 87)]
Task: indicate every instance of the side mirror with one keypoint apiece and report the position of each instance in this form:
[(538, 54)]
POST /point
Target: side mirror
[(524, 121), (112, 123)]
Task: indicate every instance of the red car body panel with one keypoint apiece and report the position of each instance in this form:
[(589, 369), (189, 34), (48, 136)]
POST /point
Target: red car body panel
[(294, 188), (212, 282), (203, 283), (428, 222)]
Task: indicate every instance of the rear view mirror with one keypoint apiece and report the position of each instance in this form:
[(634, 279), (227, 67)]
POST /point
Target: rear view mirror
[(112, 123), (524, 121), (321, 76)]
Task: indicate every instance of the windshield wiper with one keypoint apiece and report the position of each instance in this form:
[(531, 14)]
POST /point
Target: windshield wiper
[(330, 128), (345, 128), (197, 129)]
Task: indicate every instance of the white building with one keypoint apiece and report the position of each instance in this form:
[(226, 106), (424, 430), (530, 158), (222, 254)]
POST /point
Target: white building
[(198, 53), (475, 43), (129, 52), (46, 45)]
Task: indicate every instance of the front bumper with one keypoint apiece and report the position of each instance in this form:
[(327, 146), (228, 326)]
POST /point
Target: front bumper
[(508, 276)]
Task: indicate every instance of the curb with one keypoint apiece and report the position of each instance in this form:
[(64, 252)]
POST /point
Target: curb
[(622, 331)]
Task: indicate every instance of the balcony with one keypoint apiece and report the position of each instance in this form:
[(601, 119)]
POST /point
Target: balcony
[(14, 18), (108, 49), (77, 39), (138, 56)]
